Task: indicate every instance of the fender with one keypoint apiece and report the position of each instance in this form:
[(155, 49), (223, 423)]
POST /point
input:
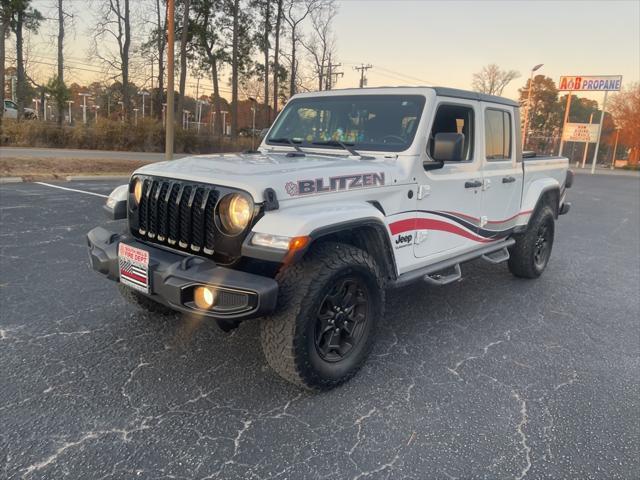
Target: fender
[(531, 198), (310, 221)]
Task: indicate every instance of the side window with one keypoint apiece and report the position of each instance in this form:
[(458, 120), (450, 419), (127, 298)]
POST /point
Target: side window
[(10, 104), (454, 119), (497, 128)]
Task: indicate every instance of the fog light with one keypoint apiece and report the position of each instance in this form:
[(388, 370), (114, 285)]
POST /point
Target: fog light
[(204, 297)]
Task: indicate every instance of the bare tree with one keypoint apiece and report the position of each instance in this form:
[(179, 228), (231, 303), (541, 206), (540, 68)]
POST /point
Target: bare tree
[(62, 16), (161, 41), (208, 26), (276, 53), (492, 80), (295, 12), (115, 24), (320, 43), (184, 38)]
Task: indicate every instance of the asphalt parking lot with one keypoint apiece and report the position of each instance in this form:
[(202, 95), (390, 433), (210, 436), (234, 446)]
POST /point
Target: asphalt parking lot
[(491, 377)]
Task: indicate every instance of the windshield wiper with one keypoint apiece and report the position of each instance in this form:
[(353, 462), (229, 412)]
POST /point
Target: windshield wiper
[(338, 143), (286, 140)]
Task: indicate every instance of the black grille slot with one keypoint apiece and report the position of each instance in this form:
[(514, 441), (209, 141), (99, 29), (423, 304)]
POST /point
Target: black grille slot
[(153, 209), (210, 225), (197, 213), (143, 208), (174, 214), (185, 217), (163, 220)]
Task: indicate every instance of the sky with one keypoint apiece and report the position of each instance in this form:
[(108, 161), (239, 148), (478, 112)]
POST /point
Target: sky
[(430, 42)]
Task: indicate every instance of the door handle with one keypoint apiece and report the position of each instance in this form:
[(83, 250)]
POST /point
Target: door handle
[(508, 179), (473, 184)]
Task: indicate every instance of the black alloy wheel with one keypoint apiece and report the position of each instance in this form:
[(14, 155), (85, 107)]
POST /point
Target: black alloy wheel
[(542, 246), (341, 320)]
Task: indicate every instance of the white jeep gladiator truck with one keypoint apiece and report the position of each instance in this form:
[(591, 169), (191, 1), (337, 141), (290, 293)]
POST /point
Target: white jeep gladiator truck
[(350, 193)]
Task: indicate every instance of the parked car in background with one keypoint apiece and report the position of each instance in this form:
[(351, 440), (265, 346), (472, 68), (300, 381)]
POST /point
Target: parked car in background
[(11, 111)]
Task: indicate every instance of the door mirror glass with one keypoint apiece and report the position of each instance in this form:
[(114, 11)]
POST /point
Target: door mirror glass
[(448, 147)]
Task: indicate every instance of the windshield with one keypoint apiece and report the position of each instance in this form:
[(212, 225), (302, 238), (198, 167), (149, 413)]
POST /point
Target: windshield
[(385, 123)]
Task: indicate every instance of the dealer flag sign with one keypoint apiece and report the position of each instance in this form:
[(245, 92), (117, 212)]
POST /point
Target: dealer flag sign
[(605, 83)]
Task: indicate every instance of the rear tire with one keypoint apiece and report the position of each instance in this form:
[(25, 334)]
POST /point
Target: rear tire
[(530, 255), (142, 302), (329, 305)]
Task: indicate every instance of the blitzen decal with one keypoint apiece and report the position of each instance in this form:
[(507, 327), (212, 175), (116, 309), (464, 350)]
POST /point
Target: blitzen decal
[(335, 184)]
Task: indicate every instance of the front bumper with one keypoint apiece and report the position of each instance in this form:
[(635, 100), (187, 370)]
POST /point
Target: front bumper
[(172, 278)]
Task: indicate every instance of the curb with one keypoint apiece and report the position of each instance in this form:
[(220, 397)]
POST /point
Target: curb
[(96, 177), (610, 173), (11, 180)]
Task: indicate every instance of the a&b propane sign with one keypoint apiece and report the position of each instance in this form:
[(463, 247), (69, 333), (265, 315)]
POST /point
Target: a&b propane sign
[(604, 83)]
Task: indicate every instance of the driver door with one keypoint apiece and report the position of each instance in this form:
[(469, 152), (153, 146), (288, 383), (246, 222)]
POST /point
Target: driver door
[(449, 199)]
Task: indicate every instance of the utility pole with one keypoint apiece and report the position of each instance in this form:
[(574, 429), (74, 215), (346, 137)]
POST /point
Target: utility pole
[(363, 68), (168, 149), (328, 84)]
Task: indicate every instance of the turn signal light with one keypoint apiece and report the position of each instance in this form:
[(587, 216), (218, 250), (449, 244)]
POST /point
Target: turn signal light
[(204, 297)]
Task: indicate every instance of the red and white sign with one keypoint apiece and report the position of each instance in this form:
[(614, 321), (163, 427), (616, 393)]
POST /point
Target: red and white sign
[(580, 132), (134, 267), (603, 83)]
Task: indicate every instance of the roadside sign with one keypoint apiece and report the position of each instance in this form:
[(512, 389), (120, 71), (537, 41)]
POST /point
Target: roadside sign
[(601, 83), (580, 132)]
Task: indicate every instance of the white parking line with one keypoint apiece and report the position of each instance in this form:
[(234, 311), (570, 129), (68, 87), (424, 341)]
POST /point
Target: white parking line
[(72, 189)]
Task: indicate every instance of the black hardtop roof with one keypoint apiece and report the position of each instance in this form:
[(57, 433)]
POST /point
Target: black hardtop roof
[(468, 95)]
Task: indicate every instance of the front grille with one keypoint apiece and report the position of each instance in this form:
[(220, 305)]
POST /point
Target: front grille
[(182, 215)]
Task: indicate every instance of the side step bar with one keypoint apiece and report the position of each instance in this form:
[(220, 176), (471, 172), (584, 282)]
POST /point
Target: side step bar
[(438, 267), (499, 256), (442, 278)]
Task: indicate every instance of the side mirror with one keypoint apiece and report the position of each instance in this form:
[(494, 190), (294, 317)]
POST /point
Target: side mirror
[(448, 147)]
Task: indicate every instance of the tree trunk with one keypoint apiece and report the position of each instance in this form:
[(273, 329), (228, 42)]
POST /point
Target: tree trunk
[(20, 65), (183, 56), (234, 74), (292, 81), (60, 58), (3, 30), (267, 29), (216, 97), (161, 44), (126, 100), (276, 60)]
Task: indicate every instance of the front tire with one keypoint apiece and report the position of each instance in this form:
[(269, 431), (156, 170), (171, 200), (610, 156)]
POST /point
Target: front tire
[(329, 306), (530, 254)]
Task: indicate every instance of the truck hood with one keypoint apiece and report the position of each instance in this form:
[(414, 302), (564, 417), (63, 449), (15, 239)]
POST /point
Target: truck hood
[(289, 176)]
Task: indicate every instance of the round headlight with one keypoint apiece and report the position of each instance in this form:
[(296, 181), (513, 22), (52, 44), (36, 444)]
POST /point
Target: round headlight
[(137, 191), (235, 213)]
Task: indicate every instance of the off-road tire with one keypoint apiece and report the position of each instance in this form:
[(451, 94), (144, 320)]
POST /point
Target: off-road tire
[(287, 336), (140, 301), (522, 261)]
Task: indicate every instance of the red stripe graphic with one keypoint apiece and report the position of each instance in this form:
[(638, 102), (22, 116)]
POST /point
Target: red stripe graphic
[(134, 276), (402, 226)]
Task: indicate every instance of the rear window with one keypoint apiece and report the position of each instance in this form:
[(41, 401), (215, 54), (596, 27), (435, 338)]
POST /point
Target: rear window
[(497, 128)]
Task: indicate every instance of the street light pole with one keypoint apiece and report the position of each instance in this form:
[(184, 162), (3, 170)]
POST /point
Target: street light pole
[(168, 149), (526, 115), (615, 149), (70, 102), (84, 106), (144, 95)]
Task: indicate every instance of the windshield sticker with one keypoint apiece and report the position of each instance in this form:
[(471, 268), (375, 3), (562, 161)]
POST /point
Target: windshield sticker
[(335, 184)]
